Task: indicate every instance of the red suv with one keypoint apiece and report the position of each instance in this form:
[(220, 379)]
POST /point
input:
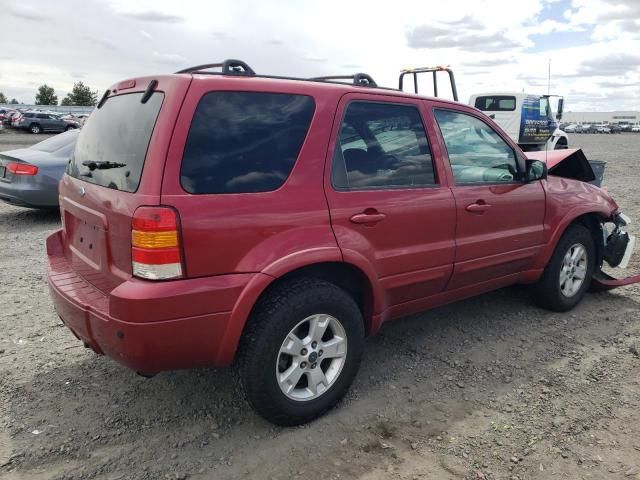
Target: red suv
[(271, 222)]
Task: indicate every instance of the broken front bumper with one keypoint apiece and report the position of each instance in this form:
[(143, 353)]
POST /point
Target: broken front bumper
[(618, 249)]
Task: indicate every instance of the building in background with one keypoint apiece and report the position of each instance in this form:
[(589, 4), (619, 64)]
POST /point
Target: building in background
[(621, 117)]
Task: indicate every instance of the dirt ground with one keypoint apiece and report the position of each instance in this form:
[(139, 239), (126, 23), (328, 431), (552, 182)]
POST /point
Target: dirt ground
[(489, 388)]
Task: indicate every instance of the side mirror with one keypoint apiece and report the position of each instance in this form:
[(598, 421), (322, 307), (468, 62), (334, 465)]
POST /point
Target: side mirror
[(560, 108), (536, 170)]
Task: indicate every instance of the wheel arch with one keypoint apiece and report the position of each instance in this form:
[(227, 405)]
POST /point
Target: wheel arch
[(591, 219), (353, 279)]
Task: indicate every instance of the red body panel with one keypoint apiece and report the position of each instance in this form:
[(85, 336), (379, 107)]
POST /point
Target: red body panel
[(428, 251), (412, 249)]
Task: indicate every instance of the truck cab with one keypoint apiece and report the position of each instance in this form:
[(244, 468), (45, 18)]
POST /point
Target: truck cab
[(527, 118)]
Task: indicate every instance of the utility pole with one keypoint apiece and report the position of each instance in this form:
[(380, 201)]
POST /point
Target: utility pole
[(549, 79)]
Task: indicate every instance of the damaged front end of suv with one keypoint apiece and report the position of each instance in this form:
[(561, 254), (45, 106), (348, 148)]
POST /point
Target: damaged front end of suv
[(617, 245)]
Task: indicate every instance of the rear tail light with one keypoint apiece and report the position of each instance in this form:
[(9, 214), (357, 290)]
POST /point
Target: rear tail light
[(22, 168), (155, 244)]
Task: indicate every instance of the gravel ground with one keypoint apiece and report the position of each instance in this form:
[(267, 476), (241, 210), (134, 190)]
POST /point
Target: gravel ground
[(488, 388)]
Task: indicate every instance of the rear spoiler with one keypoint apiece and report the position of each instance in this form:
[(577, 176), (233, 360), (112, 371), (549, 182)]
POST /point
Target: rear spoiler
[(568, 163)]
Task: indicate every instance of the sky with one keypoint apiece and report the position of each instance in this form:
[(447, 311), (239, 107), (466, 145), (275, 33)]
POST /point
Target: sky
[(492, 45)]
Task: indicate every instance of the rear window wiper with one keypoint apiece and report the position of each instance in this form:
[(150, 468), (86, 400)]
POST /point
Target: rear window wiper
[(102, 165)]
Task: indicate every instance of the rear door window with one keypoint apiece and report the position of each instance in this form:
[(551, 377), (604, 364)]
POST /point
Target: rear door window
[(112, 145), (382, 145), (244, 142)]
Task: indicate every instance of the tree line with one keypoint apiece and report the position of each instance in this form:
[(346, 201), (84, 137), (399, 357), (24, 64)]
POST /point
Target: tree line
[(81, 95)]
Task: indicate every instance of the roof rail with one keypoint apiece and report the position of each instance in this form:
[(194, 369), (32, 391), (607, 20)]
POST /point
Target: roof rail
[(360, 79), (415, 71), (229, 67)]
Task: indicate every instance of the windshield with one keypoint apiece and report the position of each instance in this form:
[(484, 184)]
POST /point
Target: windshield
[(496, 103), (57, 142), (112, 145)]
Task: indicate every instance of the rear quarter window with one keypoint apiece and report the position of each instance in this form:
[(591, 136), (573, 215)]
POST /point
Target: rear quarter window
[(244, 142)]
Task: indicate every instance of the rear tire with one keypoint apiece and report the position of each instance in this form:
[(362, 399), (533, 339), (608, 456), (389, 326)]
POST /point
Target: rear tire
[(280, 359), (35, 128), (568, 274)]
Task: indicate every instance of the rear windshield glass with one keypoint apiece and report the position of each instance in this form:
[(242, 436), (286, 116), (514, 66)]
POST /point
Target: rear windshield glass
[(57, 142), (113, 143), (242, 142), (496, 103)]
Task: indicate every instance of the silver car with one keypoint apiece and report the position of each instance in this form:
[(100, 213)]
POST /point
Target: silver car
[(29, 177), (38, 122)]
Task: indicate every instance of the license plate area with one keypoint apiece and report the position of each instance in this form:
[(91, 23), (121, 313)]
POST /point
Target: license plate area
[(85, 240)]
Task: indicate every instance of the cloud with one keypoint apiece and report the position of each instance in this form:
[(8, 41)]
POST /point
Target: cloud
[(102, 42), (146, 34), (78, 74), (465, 33), (153, 16), (27, 13), (168, 59), (310, 58), (611, 65), (609, 84), (489, 62)]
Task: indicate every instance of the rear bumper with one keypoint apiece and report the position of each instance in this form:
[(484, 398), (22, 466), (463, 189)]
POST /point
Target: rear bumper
[(145, 339)]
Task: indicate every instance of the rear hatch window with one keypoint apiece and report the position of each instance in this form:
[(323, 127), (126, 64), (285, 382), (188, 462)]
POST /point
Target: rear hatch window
[(112, 145), (243, 142)]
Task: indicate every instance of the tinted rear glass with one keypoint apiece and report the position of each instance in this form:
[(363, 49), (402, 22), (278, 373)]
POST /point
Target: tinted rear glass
[(496, 103), (112, 145), (241, 142)]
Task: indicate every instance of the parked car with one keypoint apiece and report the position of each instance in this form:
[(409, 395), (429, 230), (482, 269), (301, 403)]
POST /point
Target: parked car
[(219, 218), (37, 122), (29, 177), (615, 129), (12, 118), (571, 128), (635, 128), (5, 115), (603, 129)]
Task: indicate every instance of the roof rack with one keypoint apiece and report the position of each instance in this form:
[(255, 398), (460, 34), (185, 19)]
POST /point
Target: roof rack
[(415, 71), (238, 67), (360, 79), (229, 67)]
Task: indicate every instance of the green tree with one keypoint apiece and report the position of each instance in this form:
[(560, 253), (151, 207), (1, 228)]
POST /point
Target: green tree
[(46, 95), (14, 101), (3, 99), (81, 95)]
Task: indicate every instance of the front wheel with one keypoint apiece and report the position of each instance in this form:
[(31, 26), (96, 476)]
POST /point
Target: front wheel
[(35, 128), (568, 274), (300, 351)]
